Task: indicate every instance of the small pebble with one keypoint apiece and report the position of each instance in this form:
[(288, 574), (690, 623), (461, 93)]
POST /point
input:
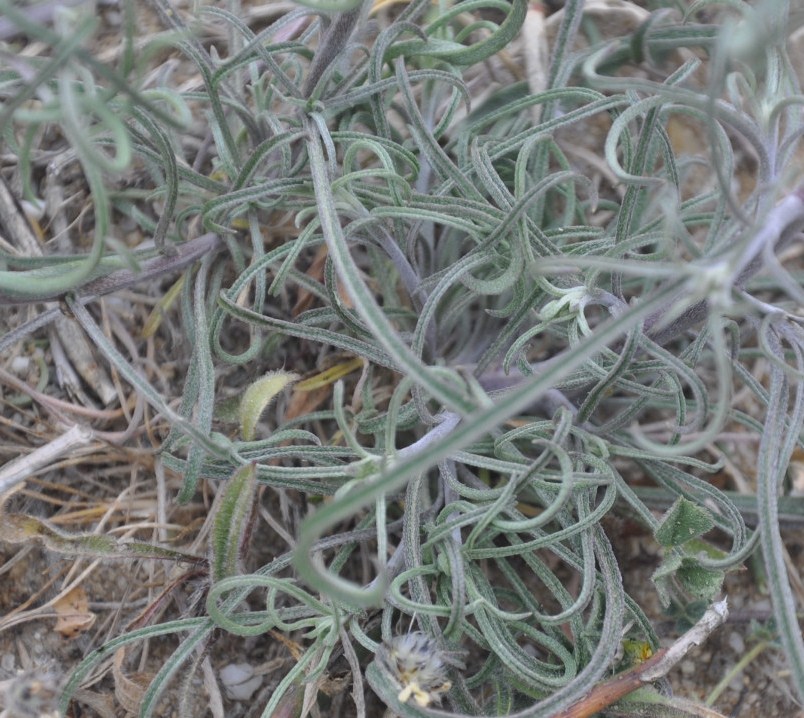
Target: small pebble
[(20, 365), (736, 643), (239, 681)]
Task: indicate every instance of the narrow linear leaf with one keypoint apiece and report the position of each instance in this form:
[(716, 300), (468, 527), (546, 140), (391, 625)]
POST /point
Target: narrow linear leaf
[(22, 528), (231, 521)]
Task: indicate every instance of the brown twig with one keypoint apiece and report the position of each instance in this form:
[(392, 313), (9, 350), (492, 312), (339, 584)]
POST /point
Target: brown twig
[(650, 670), (20, 469)]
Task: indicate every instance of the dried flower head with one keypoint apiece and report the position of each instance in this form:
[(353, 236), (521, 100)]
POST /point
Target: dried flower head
[(418, 665)]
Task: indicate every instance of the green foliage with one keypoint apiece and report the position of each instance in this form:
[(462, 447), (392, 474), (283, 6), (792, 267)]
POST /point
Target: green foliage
[(684, 564), (258, 396), (683, 522), (690, 575), (532, 341), (230, 524)]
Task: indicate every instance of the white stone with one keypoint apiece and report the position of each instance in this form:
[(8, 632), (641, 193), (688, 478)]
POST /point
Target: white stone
[(239, 681)]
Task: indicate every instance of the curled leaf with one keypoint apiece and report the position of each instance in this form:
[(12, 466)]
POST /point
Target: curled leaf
[(72, 613), (257, 398)]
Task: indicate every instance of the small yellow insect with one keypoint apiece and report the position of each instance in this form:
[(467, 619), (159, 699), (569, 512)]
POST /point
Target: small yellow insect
[(636, 652), (418, 665)]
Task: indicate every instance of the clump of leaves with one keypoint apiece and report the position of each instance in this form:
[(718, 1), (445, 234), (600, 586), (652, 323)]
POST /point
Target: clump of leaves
[(534, 345)]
